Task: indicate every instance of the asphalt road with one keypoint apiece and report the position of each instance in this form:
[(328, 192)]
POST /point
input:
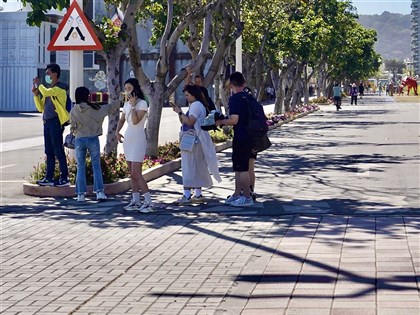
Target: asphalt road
[(22, 147)]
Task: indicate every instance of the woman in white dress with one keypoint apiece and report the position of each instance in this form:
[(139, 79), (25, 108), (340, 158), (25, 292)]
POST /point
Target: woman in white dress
[(196, 165), (134, 143)]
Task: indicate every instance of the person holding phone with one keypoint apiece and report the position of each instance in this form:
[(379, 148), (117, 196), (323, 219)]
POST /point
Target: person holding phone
[(86, 124), (197, 165), (134, 143)]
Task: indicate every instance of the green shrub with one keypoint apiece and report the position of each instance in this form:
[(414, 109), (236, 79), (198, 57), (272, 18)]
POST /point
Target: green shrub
[(320, 100), (222, 135), (113, 168)]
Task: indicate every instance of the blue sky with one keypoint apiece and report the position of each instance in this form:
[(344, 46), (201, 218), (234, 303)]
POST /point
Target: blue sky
[(379, 6)]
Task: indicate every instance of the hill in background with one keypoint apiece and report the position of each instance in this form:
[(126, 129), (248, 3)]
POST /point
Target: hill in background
[(394, 33)]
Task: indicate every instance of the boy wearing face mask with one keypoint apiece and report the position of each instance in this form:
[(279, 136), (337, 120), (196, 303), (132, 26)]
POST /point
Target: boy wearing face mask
[(51, 102)]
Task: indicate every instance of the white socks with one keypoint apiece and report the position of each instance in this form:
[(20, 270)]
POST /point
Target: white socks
[(136, 197), (148, 197)]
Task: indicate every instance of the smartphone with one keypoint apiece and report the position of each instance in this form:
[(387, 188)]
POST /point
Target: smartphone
[(124, 95)]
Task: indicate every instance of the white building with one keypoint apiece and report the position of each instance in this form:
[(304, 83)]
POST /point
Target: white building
[(24, 55)]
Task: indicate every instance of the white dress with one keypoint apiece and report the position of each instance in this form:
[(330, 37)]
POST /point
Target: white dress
[(195, 172), (134, 142)]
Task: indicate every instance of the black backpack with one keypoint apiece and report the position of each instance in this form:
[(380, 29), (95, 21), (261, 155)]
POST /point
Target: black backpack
[(256, 127), (257, 122)]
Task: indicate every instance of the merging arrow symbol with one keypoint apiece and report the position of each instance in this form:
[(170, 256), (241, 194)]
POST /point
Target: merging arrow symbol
[(69, 33), (80, 34)]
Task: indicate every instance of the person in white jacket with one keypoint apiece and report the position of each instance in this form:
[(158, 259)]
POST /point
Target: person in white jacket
[(86, 125), (196, 165)]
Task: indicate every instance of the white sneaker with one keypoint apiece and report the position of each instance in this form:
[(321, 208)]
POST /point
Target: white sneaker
[(81, 197), (231, 199), (242, 201), (146, 208), (100, 195), (132, 206)]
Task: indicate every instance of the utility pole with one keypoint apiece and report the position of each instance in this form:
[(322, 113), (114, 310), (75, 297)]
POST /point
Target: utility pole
[(76, 65)]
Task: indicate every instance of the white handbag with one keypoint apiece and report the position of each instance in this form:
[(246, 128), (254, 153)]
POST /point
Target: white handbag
[(188, 140)]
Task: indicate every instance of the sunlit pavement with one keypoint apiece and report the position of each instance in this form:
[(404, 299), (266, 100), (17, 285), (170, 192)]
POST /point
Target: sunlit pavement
[(335, 231)]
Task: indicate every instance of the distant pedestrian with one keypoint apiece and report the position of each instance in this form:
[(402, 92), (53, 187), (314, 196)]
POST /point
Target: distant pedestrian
[(353, 94), (391, 88), (198, 81), (337, 96), (86, 124), (51, 102), (134, 142), (361, 90)]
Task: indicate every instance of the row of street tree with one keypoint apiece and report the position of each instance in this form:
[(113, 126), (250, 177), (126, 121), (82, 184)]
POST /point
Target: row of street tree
[(285, 44)]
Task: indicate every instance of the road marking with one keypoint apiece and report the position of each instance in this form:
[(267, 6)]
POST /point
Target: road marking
[(21, 144), (6, 166)]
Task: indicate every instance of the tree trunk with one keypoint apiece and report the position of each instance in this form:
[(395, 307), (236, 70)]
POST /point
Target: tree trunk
[(155, 113), (113, 79), (292, 84), (278, 91)]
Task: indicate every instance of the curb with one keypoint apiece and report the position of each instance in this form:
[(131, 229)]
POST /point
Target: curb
[(124, 185)]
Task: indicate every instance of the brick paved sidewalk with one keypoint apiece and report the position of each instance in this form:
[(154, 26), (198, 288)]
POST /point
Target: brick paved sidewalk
[(335, 231), (57, 262)]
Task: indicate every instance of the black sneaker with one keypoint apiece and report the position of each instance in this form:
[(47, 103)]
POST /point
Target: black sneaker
[(45, 182), (62, 183)]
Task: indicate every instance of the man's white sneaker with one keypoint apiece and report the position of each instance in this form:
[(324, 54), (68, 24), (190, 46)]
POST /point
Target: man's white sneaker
[(100, 195), (242, 202), (231, 199), (146, 207)]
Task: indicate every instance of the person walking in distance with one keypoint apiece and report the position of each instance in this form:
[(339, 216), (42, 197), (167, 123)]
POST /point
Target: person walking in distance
[(198, 81), (337, 96), (51, 102), (241, 146), (134, 142), (353, 94), (361, 90)]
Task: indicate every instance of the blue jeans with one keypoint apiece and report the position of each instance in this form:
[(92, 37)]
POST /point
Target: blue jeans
[(53, 144), (82, 145)]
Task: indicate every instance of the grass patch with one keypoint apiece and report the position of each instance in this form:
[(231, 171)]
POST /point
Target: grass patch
[(407, 99)]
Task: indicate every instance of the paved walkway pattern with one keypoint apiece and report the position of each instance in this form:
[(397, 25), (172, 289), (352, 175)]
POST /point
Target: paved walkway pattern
[(335, 231)]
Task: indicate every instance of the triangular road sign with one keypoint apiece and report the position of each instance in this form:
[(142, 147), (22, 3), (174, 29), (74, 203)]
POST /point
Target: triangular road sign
[(74, 32)]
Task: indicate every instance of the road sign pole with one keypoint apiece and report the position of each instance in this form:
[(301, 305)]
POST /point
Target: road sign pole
[(76, 65)]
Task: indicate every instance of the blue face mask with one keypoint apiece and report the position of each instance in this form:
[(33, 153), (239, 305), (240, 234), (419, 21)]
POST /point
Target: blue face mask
[(48, 79)]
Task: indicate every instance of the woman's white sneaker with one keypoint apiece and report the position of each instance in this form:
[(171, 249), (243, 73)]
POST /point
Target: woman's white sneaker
[(100, 195), (81, 197), (132, 206), (146, 208)]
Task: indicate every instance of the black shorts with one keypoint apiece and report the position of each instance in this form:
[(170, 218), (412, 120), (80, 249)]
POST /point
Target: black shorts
[(241, 153)]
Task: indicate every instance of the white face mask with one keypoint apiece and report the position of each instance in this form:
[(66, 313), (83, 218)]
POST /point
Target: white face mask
[(48, 79)]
